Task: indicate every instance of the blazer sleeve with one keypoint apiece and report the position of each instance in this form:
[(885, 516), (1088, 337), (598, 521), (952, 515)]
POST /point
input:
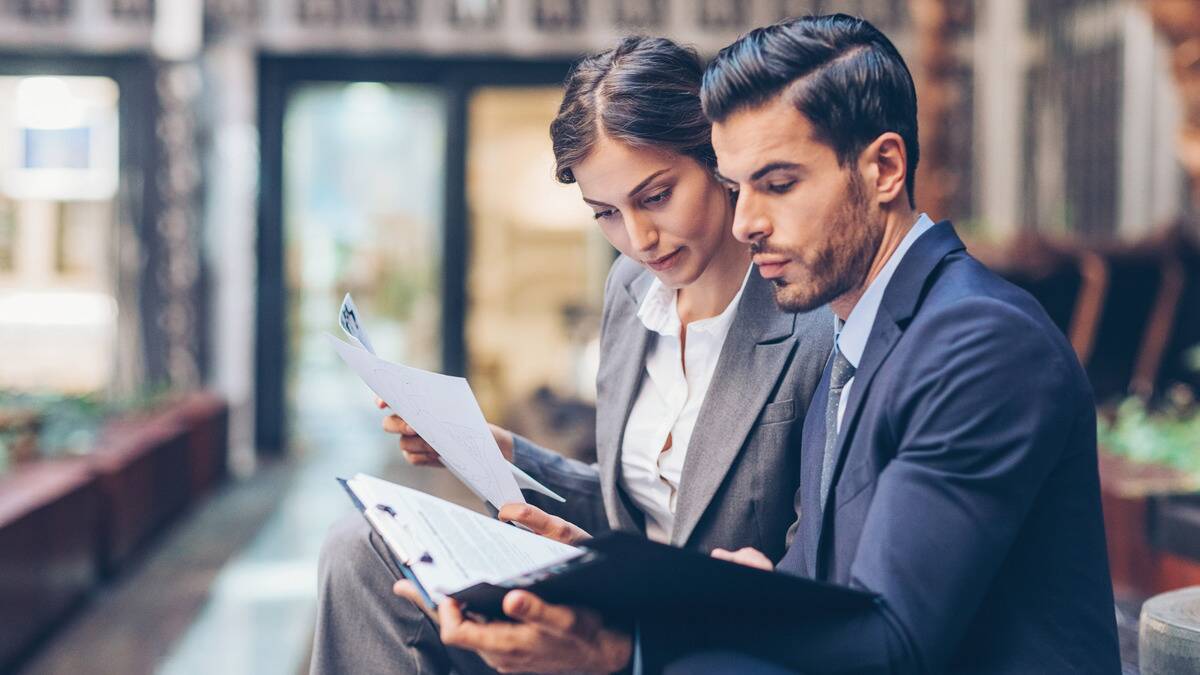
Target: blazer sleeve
[(980, 423), (575, 481)]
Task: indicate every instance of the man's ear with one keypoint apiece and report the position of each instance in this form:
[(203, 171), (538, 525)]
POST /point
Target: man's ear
[(884, 164)]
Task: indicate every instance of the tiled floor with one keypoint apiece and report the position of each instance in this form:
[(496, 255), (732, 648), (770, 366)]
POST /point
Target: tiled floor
[(232, 588)]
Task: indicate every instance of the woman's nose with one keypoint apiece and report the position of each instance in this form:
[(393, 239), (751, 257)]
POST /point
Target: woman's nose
[(643, 236)]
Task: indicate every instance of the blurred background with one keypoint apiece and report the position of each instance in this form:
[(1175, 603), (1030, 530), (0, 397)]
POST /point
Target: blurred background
[(188, 188)]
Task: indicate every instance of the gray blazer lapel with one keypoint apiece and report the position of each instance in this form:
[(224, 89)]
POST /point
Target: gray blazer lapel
[(752, 360), (624, 369)]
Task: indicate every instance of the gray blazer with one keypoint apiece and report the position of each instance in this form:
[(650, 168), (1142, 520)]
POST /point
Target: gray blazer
[(743, 462)]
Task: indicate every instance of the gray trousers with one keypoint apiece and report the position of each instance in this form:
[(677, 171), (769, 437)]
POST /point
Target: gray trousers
[(362, 627)]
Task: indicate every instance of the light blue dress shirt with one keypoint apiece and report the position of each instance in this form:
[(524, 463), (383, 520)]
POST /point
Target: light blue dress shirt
[(852, 336)]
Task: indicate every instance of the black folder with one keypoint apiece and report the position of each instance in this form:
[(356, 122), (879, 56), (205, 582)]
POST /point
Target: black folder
[(626, 577)]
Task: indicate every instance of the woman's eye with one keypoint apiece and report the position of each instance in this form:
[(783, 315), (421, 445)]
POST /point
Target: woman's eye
[(659, 197), (600, 215), (780, 188)]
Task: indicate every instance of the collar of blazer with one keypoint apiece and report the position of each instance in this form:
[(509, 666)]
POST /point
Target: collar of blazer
[(752, 360), (900, 303)]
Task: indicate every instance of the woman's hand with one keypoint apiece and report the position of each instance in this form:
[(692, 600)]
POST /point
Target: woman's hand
[(551, 527), (419, 453), (750, 557)]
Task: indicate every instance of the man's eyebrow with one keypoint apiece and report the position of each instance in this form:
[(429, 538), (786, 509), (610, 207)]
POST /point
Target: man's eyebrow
[(646, 181), (773, 166)]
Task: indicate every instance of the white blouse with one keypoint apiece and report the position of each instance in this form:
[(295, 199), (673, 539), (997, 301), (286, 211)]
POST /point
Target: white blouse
[(668, 403)]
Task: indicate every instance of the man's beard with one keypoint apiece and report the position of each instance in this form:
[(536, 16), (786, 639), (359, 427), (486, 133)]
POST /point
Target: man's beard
[(839, 263)]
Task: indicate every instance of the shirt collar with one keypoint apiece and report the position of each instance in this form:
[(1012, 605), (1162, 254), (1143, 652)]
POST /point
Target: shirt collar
[(659, 310), (852, 335)]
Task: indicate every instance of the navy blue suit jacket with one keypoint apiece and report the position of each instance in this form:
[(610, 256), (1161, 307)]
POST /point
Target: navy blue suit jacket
[(965, 494)]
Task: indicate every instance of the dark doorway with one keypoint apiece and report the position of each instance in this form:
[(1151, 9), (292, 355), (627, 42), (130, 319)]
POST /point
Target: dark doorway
[(353, 122)]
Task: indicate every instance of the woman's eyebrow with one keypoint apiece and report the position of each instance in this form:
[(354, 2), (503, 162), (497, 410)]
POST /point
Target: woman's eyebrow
[(646, 181)]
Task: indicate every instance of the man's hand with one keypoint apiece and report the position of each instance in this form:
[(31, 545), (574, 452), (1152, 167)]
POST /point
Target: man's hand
[(545, 638), (420, 453), (750, 557), (551, 527)]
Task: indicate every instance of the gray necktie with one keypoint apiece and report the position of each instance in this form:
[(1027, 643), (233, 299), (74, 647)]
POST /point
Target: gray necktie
[(841, 374)]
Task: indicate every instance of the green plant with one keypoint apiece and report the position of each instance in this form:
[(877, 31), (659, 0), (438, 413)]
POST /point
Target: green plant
[(64, 424), (1169, 436)]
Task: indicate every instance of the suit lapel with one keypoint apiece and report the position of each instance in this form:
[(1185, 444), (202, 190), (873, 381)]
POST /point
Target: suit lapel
[(628, 369), (900, 301), (752, 360)]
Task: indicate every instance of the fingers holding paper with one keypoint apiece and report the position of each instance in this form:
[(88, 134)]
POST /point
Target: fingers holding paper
[(420, 453), (542, 637), (416, 451), (540, 522)]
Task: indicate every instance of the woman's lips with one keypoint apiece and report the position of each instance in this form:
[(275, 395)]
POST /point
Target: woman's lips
[(666, 262)]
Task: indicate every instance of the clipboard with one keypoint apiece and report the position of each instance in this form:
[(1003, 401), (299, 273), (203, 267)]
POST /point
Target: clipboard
[(402, 565)]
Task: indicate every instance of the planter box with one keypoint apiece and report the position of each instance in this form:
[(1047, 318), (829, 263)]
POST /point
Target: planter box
[(63, 523), (141, 466), (150, 468), (204, 416), (1152, 527), (48, 549)]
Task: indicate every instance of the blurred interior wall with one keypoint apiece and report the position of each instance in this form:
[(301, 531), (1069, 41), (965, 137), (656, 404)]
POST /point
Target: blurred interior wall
[(1061, 118)]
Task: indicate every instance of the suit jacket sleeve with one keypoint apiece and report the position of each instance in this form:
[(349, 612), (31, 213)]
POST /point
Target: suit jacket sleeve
[(986, 408), (575, 481)]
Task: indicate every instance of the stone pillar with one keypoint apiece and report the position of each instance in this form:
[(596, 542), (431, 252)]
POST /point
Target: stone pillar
[(934, 70), (1000, 63)]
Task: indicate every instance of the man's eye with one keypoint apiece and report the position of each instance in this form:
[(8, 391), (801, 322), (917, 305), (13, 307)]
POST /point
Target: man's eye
[(600, 215), (659, 197), (780, 188)]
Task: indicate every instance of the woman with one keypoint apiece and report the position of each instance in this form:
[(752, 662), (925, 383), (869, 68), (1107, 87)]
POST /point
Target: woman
[(702, 380)]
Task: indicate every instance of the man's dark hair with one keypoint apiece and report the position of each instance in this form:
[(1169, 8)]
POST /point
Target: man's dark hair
[(841, 73)]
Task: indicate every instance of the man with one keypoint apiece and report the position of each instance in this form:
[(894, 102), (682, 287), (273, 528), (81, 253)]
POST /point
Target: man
[(954, 470)]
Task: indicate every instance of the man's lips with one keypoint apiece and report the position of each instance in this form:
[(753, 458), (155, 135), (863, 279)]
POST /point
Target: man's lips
[(770, 266), (665, 262)]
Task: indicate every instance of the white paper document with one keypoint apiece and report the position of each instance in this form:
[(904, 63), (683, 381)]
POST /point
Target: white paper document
[(447, 547), (447, 408), (348, 318)]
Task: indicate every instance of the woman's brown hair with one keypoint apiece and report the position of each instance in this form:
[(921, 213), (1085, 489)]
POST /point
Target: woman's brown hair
[(644, 92)]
